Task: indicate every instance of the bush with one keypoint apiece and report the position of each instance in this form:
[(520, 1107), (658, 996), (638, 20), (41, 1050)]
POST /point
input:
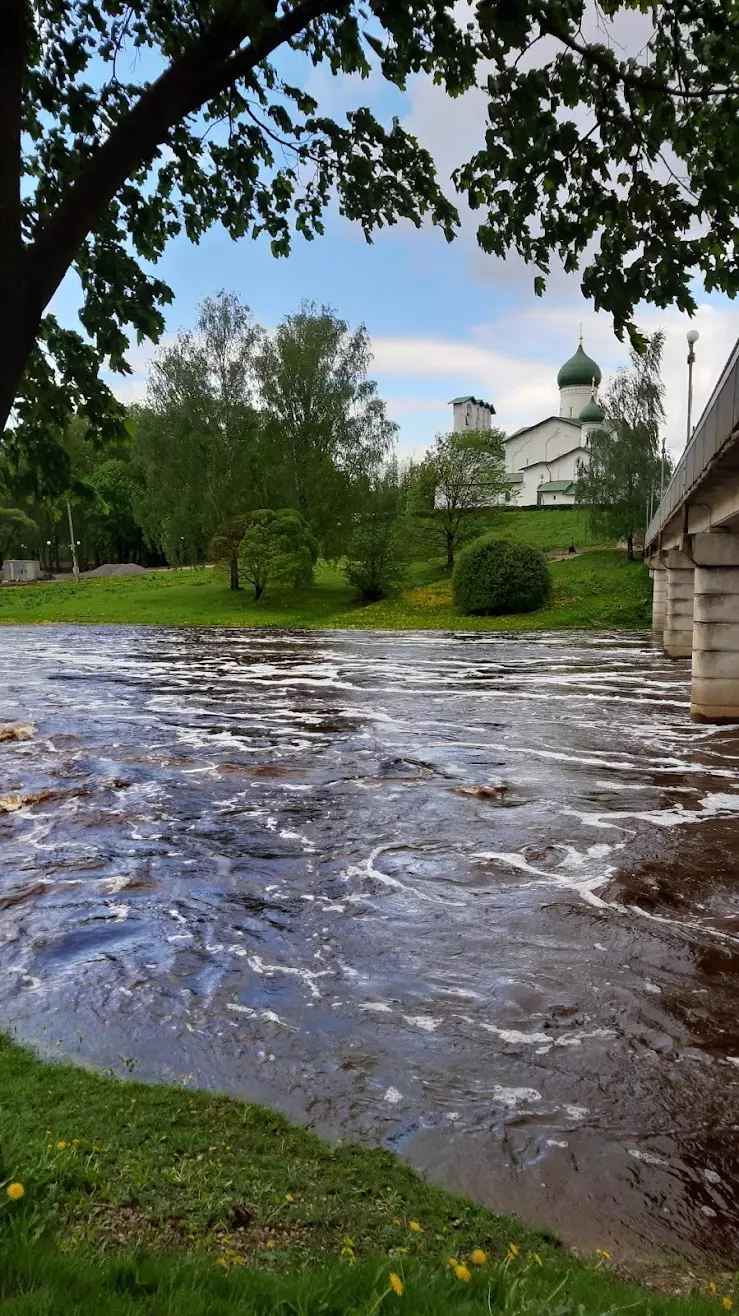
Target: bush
[(493, 577)]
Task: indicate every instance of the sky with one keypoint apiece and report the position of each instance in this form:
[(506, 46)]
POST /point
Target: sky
[(445, 319)]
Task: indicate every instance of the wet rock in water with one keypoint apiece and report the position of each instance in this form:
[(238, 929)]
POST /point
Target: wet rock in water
[(16, 800), (482, 792), (21, 731)]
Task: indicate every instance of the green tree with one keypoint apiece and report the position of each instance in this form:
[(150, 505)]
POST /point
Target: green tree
[(18, 533), (461, 475), (279, 547), (197, 442), (619, 481), (107, 526), (377, 556), (325, 418)]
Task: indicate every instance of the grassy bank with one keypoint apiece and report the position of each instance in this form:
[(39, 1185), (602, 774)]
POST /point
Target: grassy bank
[(594, 589), (161, 1199)]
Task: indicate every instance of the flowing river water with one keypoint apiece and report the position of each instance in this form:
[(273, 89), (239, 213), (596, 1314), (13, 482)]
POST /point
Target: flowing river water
[(473, 897)]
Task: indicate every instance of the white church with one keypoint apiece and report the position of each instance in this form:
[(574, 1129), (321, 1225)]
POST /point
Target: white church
[(542, 459)]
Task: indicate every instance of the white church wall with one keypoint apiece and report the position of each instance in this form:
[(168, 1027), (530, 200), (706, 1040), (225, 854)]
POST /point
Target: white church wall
[(544, 442), (572, 400), (556, 499)]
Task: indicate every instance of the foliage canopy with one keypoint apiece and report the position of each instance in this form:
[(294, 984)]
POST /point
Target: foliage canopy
[(121, 127)]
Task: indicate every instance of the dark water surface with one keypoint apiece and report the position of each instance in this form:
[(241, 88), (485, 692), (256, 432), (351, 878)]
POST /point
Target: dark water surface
[(259, 868)]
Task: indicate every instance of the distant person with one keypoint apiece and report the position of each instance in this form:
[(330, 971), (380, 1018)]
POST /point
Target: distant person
[(572, 548)]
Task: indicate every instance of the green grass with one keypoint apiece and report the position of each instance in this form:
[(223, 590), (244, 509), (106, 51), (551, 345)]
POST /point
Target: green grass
[(160, 1199), (593, 590), (545, 528)]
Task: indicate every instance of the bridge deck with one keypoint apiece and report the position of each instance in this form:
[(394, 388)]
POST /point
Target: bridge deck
[(713, 432)]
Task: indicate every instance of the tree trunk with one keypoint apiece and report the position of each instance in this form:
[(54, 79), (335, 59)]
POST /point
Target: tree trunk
[(449, 551), (630, 547), (234, 569)]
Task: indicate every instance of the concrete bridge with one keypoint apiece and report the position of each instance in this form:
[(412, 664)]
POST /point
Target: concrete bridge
[(692, 550)]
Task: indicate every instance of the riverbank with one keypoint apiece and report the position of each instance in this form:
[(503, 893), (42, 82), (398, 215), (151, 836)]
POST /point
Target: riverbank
[(598, 589), (162, 1199)]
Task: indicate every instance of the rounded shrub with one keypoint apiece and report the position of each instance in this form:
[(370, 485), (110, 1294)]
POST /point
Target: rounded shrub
[(492, 577)]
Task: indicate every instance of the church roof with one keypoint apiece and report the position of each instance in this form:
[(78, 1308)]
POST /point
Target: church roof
[(556, 486), (563, 420), (592, 413), (579, 371), (477, 401)]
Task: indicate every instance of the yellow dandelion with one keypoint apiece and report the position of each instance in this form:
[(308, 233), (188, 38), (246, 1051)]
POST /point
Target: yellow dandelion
[(599, 1252), (15, 1191), (463, 1273), (402, 1250), (535, 1257), (414, 1225), (396, 1221), (289, 1197), (452, 1261), (270, 1244), (479, 1258), (727, 1303), (222, 1262), (512, 1249), (712, 1288), (396, 1284), (61, 1146)]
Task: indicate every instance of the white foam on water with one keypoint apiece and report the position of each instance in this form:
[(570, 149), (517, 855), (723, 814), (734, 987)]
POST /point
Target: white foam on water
[(550, 877), (377, 1007), (647, 1157), (426, 1022), (576, 1112), (393, 1096), (512, 1097)]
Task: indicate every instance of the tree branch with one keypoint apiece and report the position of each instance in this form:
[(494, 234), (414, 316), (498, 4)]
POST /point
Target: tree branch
[(13, 36), (212, 64), (618, 73)]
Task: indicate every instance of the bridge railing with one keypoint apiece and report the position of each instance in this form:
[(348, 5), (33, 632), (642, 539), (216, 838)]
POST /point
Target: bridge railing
[(720, 417)]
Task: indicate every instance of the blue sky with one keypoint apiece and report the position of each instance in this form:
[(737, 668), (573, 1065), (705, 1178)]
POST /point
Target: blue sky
[(444, 319)]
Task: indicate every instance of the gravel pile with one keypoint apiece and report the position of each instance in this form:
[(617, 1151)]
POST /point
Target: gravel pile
[(115, 569)]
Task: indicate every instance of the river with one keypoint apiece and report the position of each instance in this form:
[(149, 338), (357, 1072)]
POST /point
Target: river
[(472, 897)]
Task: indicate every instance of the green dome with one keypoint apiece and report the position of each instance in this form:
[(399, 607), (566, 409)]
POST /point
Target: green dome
[(592, 413), (579, 371)]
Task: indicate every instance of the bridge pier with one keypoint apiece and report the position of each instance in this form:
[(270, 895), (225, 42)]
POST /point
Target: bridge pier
[(714, 694), (678, 632), (659, 596)]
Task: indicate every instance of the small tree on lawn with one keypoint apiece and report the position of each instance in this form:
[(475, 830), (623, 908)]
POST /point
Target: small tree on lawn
[(623, 472), (278, 547), (461, 475), (377, 558)]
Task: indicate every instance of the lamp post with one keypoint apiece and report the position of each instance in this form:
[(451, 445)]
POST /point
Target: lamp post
[(692, 337), (72, 541)]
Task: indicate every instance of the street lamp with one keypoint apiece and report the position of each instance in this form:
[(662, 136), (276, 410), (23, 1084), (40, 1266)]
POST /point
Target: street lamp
[(692, 337)]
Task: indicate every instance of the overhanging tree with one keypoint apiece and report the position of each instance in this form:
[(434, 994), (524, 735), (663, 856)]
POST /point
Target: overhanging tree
[(121, 126), (622, 476)]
